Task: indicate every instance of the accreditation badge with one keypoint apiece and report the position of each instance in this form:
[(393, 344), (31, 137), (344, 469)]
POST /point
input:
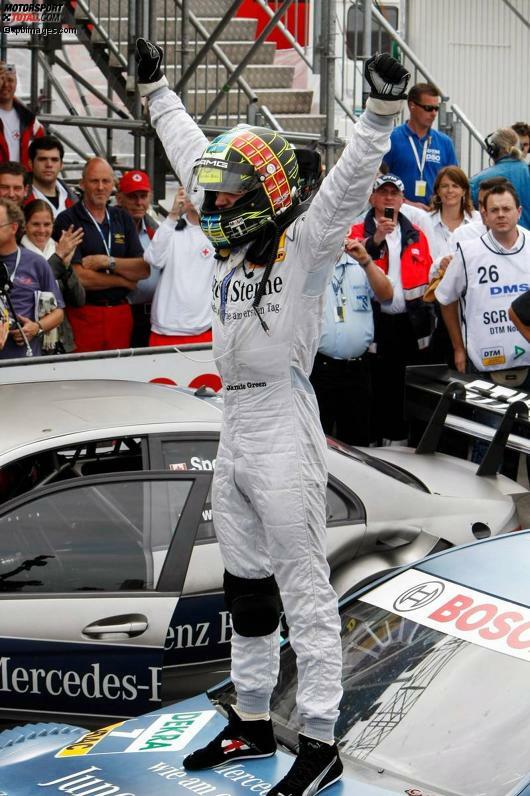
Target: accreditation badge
[(340, 313), (420, 188)]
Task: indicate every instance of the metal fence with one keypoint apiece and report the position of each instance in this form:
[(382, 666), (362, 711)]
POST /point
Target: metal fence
[(220, 63)]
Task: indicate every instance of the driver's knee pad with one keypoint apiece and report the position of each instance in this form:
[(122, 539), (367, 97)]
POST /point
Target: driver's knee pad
[(254, 603)]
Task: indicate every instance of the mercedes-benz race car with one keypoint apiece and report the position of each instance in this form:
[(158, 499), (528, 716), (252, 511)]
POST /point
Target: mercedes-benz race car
[(436, 700), (111, 598)]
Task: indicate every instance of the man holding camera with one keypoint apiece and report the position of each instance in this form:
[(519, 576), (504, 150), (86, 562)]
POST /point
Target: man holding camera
[(403, 327)]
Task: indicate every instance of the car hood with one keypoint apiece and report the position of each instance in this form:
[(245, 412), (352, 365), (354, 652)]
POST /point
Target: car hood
[(140, 757)]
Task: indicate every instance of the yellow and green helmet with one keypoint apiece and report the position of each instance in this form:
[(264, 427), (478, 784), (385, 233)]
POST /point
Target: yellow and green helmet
[(259, 164)]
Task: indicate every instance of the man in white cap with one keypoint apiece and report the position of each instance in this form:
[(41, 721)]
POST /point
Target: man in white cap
[(403, 327)]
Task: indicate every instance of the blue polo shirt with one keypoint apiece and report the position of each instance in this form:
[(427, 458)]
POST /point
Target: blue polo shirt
[(123, 236), (32, 275), (402, 162), (516, 171)]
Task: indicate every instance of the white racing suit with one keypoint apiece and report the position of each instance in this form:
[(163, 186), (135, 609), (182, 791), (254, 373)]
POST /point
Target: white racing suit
[(269, 492)]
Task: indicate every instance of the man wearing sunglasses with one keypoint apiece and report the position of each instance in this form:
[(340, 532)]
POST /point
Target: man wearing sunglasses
[(418, 152)]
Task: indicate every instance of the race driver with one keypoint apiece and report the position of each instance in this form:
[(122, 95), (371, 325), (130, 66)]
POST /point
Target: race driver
[(269, 493)]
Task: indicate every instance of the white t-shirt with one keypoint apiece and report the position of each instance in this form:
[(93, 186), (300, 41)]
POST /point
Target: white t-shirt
[(182, 303), (422, 219), (11, 122), (397, 305), (488, 277), (442, 242)]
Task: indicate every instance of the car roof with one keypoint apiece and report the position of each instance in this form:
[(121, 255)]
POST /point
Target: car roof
[(33, 411), (498, 566)]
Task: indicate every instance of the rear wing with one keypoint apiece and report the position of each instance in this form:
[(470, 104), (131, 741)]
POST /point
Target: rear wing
[(447, 399)]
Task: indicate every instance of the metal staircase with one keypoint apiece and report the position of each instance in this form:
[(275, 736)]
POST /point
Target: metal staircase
[(108, 32), (223, 68)]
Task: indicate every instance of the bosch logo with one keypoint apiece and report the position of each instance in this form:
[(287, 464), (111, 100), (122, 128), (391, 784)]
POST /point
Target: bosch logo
[(418, 596)]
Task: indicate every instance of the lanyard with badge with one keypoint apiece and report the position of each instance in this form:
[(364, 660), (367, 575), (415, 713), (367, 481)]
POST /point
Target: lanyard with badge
[(340, 298), (17, 263), (420, 186), (106, 243)]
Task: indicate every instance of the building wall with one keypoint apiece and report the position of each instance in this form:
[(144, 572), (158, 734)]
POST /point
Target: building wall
[(478, 50)]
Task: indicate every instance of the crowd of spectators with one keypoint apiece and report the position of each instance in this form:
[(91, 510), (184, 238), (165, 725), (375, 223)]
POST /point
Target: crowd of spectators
[(92, 269)]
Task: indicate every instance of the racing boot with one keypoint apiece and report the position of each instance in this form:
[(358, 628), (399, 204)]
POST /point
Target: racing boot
[(317, 766), (239, 739)]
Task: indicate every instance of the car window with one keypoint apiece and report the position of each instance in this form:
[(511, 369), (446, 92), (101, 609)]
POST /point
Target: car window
[(342, 507), (193, 453), (102, 537), (120, 454), (421, 706)]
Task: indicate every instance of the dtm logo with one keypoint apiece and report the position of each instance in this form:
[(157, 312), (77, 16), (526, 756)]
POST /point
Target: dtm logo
[(506, 290), (418, 596)]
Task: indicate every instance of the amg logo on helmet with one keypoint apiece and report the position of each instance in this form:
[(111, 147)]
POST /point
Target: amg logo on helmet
[(522, 287), (220, 164)]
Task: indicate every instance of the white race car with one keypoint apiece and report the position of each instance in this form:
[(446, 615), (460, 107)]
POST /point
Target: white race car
[(110, 574)]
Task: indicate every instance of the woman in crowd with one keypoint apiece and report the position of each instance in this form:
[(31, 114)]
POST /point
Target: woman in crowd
[(509, 162), (39, 227), (451, 207)]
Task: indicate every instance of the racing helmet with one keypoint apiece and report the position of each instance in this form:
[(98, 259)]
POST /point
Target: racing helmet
[(256, 162)]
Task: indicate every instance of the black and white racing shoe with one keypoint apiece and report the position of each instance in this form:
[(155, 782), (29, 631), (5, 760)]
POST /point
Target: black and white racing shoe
[(238, 740), (317, 766)]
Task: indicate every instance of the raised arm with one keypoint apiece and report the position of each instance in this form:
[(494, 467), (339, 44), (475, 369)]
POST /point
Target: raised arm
[(344, 192), (181, 137)]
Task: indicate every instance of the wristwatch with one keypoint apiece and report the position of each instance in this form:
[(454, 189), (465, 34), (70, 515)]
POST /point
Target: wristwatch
[(40, 333), (111, 267)]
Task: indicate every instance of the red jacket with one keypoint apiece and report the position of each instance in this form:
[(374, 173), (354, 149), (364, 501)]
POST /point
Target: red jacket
[(416, 261), (416, 258), (30, 128)]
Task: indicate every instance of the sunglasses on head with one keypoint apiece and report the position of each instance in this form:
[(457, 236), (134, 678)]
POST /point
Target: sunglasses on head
[(427, 108)]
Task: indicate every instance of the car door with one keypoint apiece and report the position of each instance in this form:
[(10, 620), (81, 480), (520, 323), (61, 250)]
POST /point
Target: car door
[(90, 572), (198, 643), (197, 652)]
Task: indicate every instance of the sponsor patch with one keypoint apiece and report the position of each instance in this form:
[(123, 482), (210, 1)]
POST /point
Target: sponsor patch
[(460, 612), (171, 732), (87, 742), (178, 466), (492, 356)]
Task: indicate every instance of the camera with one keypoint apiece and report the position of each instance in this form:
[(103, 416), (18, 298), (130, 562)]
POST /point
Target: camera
[(388, 212)]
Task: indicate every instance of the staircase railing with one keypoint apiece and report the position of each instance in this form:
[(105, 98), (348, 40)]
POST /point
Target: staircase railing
[(469, 141)]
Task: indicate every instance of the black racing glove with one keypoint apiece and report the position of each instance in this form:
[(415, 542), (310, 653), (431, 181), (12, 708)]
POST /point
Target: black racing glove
[(149, 58), (388, 81)]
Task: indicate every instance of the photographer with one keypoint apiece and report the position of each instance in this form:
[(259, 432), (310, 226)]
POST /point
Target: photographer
[(403, 327)]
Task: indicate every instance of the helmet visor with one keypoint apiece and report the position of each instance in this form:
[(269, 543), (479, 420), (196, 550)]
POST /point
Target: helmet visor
[(212, 174)]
